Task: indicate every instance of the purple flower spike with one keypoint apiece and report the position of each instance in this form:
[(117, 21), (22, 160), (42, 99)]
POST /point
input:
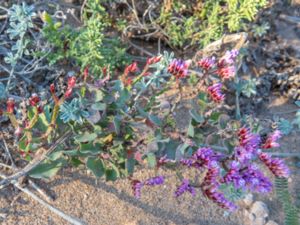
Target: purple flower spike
[(137, 187), (184, 187), (206, 157), (219, 198), (276, 166), (255, 180), (230, 56), (155, 181)]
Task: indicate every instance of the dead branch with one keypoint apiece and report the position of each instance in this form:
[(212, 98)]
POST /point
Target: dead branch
[(55, 210), (35, 162)]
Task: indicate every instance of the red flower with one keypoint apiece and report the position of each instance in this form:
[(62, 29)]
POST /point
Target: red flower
[(179, 68), (34, 100), (52, 89), (154, 60), (10, 105), (226, 72), (85, 72), (71, 82), (132, 68)]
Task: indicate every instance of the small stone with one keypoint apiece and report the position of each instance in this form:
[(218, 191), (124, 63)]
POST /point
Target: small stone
[(248, 200), (260, 209), (271, 222), (259, 221)]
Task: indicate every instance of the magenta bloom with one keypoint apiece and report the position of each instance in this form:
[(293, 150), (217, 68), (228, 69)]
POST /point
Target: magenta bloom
[(184, 187), (178, 68), (226, 72), (272, 139), (207, 63), (219, 198), (215, 92), (276, 166), (155, 181)]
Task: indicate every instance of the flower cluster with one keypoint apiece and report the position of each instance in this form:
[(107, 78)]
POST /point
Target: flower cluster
[(207, 63), (178, 68), (215, 92)]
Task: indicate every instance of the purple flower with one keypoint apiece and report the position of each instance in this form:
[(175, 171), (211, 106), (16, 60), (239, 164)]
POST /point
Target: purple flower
[(272, 139), (276, 166), (137, 187), (219, 198), (255, 179), (178, 68), (234, 176), (184, 187), (155, 181), (206, 157), (207, 63), (215, 92), (230, 56)]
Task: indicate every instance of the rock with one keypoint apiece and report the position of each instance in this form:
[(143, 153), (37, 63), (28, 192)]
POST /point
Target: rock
[(271, 222), (248, 200), (259, 209), (259, 221)]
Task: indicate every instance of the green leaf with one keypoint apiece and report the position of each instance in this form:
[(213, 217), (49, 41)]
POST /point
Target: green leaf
[(99, 106), (46, 170), (297, 119), (112, 174), (151, 159), (285, 126), (154, 119), (198, 118), (95, 165), (297, 103), (86, 137), (130, 163), (117, 123), (90, 148), (191, 130)]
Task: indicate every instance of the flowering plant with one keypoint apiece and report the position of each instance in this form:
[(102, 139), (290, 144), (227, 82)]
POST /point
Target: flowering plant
[(108, 116)]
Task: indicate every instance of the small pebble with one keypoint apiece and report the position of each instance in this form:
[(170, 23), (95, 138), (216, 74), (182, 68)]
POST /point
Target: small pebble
[(259, 209)]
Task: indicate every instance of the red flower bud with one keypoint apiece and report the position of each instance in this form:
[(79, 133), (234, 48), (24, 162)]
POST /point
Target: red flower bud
[(104, 70), (131, 68), (154, 60), (85, 72), (52, 89), (68, 92), (40, 109), (10, 105), (34, 99), (71, 82)]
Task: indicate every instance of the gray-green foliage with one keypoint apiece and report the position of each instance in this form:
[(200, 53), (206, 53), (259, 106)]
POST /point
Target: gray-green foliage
[(20, 20), (73, 111)]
